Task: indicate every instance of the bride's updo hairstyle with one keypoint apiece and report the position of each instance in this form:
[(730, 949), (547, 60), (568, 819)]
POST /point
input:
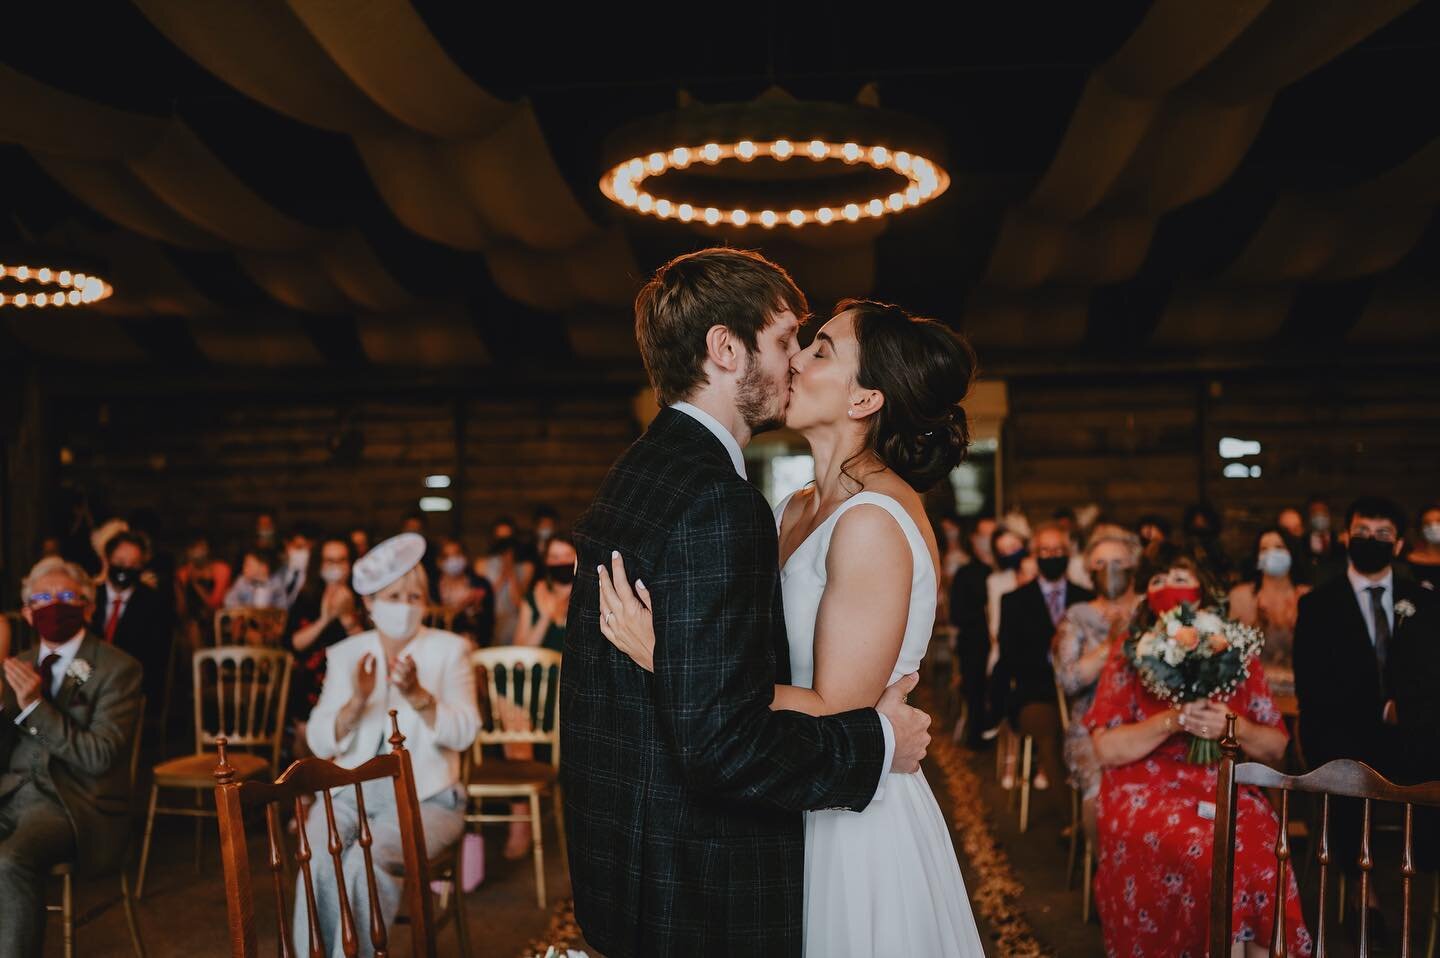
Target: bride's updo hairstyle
[(924, 370)]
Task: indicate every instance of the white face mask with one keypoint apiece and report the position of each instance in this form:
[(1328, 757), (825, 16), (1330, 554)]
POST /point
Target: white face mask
[(1432, 533), (299, 558), (1274, 562), (453, 565), (333, 573), (397, 620)]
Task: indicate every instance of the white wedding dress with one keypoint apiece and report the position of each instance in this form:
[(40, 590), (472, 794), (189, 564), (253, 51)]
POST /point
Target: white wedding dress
[(883, 882)]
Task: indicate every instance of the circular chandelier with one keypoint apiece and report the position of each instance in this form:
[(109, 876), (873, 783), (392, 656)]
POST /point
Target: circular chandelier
[(43, 286), (774, 162)]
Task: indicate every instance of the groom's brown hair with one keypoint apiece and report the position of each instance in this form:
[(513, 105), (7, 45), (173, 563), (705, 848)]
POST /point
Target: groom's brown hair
[(737, 289)]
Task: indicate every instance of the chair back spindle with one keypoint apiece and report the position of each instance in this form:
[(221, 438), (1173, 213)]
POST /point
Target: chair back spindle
[(240, 695)]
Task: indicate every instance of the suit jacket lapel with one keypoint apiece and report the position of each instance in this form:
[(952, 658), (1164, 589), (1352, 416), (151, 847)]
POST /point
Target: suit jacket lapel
[(69, 685)]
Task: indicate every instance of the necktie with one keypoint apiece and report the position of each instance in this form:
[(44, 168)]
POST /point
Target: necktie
[(1382, 625), (47, 675), (112, 621), (1055, 599)]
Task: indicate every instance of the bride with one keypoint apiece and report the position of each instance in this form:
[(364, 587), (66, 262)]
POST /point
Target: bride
[(877, 395)]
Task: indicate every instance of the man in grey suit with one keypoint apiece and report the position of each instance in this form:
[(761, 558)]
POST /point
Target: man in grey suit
[(68, 712)]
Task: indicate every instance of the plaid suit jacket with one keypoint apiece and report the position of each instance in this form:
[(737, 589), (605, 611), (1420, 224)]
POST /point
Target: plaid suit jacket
[(683, 790)]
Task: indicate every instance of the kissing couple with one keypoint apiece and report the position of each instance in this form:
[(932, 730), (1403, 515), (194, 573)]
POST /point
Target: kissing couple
[(740, 769)]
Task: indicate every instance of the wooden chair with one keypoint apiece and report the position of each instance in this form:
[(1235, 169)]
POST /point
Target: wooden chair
[(1342, 778), (1079, 838), (240, 696), (299, 782), (1010, 742), (439, 617), (265, 627), (66, 870), (518, 715), (22, 633)]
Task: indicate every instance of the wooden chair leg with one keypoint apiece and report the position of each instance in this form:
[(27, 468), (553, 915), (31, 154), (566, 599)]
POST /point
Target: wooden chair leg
[(131, 919), (67, 914), (145, 843), (199, 833), (559, 799), (537, 828), (1075, 828), (1434, 918), (1340, 899), (1089, 873), (462, 926), (1027, 751)]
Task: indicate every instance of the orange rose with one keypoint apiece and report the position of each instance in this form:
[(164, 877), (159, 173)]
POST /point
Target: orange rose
[(1218, 643), (1187, 638)]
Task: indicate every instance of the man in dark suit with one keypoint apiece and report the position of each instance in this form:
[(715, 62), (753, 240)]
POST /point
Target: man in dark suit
[(972, 632), (67, 717), (1023, 678), (132, 616), (683, 790), (1367, 665)]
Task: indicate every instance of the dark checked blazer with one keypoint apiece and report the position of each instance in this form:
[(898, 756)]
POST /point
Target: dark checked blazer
[(683, 791)]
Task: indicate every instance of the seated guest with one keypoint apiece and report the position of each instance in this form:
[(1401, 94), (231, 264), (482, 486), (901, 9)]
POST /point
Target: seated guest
[(972, 634), (1367, 664), (1086, 638), (1154, 531), (133, 616), (359, 540), (1270, 602), (201, 583), (1424, 558), (324, 613), (464, 594), (299, 548), (1014, 567), (1324, 553), (426, 675), (67, 721), (259, 586), (1156, 813), (1023, 677)]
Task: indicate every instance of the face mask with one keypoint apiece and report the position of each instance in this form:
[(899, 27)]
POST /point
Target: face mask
[(561, 574), (952, 536), (1013, 560), (1370, 555), (333, 573), (453, 565), (1432, 533), (1113, 578), (299, 558), (1164, 599), (123, 577), (1274, 562), (1320, 522), (260, 596), (397, 620), (59, 622), (1053, 567)]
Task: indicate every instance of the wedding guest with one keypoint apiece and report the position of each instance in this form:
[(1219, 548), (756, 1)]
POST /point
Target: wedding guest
[(325, 613), (1155, 813), (425, 675), (67, 721), (980, 539), (133, 616), (1270, 602), (1014, 567), (299, 547), (102, 534), (1291, 522), (967, 605), (1024, 682), (265, 532), (467, 597), (948, 535), (510, 576), (200, 583), (1086, 638), (418, 522), (1202, 540), (1154, 530), (359, 540), (259, 586), (1367, 664), (1325, 553), (1424, 558)]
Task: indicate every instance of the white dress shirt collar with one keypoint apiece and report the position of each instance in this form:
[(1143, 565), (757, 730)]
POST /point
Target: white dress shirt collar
[(731, 444), (1362, 587)]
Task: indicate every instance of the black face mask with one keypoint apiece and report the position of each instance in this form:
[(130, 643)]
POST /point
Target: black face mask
[(561, 574), (1012, 560), (1370, 555), (123, 577), (503, 545), (1053, 567)]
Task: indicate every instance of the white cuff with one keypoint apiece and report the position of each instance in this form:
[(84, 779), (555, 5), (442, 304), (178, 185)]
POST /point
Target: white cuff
[(25, 712), (889, 734)]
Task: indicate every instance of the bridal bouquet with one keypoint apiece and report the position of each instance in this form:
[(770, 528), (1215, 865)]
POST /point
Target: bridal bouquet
[(1191, 654)]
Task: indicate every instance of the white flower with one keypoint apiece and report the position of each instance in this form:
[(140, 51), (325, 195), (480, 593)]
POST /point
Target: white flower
[(1404, 609), (1208, 623), (79, 670), (1172, 626), (1174, 655)]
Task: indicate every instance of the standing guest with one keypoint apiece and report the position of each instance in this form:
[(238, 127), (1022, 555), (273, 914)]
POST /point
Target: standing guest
[(1202, 540), (102, 534), (1424, 559), (1152, 879), (1270, 602), (1023, 677), (1291, 522), (948, 535), (201, 583), (1014, 567), (972, 634), (1086, 638), (510, 576), (266, 531), (1154, 531), (425, 675), (466, 596), (325, 612), (1367, 664), (359, 541), (545, 524), (299, 547), (1325, 552), (418, 522), (259, 585), (67, 721), (133, 616)]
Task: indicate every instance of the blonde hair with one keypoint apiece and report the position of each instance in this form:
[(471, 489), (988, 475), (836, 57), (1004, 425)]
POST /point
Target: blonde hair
[(416, 577), (1108, 532)]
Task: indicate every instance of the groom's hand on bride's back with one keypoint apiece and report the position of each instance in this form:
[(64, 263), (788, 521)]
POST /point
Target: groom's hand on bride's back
[(911, 726)]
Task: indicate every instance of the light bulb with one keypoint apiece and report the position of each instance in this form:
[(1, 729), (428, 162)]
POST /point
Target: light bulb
[(644, 202), (22, 272), (74, 297), (65, 277), (896, 201), (851, 212), (22, 300), (663, 208), (782, 150), (745, 150), (851, 152), (42, 300), (43, 275), (711, 152), (879, 156), (824, 215), (912, 196), (636, 169), (818, 150), (686, 212), (712, 215), (656, 162), (902, 161), (875, 208), (768, 219), (680, 157), (796, 217), (739, 217)]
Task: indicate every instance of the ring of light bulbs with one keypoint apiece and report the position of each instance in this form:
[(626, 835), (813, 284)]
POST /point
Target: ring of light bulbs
[(72, 288), (623, 183)]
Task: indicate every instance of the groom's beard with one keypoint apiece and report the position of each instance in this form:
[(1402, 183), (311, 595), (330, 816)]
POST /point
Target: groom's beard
[(756, 400)]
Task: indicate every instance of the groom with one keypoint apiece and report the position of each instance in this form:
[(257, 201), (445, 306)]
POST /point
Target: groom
[(683, 790)]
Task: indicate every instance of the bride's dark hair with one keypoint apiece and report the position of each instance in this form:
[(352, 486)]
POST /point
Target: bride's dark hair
[(924, 370)]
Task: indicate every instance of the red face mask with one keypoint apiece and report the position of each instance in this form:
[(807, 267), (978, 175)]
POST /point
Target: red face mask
[(1164, 599), (58, 622)]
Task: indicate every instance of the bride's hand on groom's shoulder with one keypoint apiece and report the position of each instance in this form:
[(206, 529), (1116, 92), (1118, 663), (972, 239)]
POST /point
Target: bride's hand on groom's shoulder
[(911, 726), (625, 616)]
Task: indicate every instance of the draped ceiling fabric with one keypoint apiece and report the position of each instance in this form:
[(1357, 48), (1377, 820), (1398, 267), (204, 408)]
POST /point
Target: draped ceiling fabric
[(1158, 188)]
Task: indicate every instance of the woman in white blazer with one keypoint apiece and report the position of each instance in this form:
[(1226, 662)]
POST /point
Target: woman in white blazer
[(425, 675)]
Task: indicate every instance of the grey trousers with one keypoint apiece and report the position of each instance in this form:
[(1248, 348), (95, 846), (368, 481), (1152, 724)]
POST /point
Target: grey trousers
[(443, 819), (35, 834)]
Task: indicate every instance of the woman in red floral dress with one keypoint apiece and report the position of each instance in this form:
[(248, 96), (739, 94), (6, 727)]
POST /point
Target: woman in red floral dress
[(1152, 884)]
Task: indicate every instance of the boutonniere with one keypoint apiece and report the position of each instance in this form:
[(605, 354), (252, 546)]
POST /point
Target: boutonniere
[(79, 670), (1404, 609)]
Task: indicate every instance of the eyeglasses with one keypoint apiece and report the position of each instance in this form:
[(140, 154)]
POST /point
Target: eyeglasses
[(1382, 535), (37, 599)]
